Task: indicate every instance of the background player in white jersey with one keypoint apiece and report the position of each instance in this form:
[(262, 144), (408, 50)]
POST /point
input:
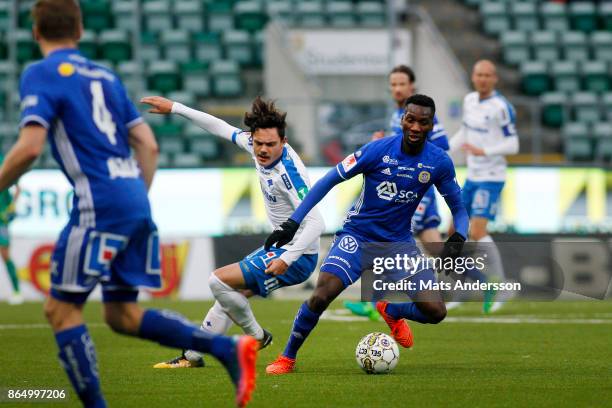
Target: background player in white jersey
[(426, 219), (284, 183), (110, 238), (487, 135)]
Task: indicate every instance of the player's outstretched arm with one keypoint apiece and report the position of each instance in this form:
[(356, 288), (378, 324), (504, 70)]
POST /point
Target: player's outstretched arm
[(18, 160), (207, 122), (146, 151), (287, 230)]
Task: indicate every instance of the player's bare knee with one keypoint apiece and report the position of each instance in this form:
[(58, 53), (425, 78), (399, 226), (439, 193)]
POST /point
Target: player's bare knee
[(437, 313), (50, 311), (121, 319), (318, 302)]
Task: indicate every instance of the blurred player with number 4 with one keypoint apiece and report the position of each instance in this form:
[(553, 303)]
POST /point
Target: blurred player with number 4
[(284, 183), (110, 237)]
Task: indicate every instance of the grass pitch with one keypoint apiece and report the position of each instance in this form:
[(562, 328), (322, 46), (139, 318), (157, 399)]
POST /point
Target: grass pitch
[(528, 354)]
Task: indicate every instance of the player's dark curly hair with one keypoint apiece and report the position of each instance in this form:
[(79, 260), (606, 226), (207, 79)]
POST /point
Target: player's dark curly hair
[(404, 69), (57, 19), (421, 100), (264, 115)]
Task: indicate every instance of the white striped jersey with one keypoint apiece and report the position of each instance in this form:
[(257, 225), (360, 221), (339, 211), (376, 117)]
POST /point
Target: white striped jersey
[(489, 124)]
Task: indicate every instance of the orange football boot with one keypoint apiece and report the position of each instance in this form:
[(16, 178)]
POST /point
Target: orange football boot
[(247, 348), (282, 365), (400, 330)]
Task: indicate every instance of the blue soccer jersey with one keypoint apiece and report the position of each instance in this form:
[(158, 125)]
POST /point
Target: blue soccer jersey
[(393, 186), (88, 115), (110, 237)]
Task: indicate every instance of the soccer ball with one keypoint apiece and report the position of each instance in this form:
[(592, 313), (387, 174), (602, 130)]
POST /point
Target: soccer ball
[(377, 353)]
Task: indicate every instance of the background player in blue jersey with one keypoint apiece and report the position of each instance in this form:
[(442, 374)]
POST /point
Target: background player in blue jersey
[(397, 171), (110, 238), (426, 218)]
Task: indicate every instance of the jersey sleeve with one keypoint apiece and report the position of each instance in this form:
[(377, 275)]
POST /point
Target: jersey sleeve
[(359, 162), (506, 119), (243, 139), (38, 102)]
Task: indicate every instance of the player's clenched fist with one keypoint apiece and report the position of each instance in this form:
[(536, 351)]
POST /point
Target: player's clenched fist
[(160, 104)]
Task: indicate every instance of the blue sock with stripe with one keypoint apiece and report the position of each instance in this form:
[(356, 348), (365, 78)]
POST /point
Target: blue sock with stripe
[(407, 310), (78, 357), (304, 322), (173, 330)]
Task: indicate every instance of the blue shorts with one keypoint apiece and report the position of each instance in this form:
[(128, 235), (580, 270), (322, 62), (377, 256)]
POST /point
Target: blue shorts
[(253, 268), (481, 198), (121, 258), (348, 257), (426, 215)]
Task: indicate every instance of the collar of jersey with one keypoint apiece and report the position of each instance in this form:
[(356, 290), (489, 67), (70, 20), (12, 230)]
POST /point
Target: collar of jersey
[(64, 51), (493, 95), (275, 162)]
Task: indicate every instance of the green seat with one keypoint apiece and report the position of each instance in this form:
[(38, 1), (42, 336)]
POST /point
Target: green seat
[(169, 144), (371, 14), (525, 16), (495, 19), (88, 46), (554, 16), (515, 47), (282, 10), (208, 148), (131, 76), (545, 46), (583, 16), (189, 15), (149, 49), (565, 76), (3, 46), (5, 9), (226, 81), (176, 45), (258, 48), (187, 160), (606, 104), (27, 49), (595, 76), (219, 16), (341, 14), (250, 16), (24, 19), (164, 161), (96, 14), (553, 108), (185, 97), (238, 46), (115, 45), (124, 12), (172, 131), (534, 77), (310, 14), (586, 107), (164, 76), (602, 132), (605, 15), (575, 46), (195, 78), (601, 44), (157, 16), (207, 47), (578, 144)]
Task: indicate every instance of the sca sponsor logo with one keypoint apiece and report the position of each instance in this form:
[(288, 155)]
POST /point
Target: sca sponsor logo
[(388, 160), (388, 191)]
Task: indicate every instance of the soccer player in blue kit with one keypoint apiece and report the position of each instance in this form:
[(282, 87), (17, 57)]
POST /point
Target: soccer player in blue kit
[(426, 218), (110, 238), (397, 171)]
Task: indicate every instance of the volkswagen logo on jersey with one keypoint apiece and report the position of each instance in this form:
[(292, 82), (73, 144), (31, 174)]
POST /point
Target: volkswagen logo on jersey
[(348, 244), (424, 177), (386, 190)]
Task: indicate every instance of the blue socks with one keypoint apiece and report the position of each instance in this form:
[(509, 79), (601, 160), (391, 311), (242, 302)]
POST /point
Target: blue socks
[(78, 357), (173, 330), (304, 322), (408, 310)]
